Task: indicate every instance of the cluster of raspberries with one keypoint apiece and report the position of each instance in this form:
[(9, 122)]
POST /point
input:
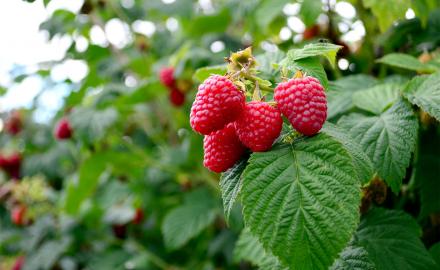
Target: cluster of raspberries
[(230, 124), (166, 76)]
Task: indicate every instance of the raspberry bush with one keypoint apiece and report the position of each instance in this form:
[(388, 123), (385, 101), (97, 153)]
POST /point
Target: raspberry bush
[(238, 135)]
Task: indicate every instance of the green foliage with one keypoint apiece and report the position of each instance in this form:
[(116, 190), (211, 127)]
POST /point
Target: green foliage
[(187, 221), (406, 61), (388, 139), (391, 239), (282, 190), (129, 191)]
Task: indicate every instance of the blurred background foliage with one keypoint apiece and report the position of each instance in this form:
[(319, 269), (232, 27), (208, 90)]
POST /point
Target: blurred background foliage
[(128, 190)]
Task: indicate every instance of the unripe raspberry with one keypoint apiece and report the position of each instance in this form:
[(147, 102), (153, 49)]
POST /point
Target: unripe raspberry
[(177, 98), (218, 102), (166, 76), (303, 102), (259, 125), (63, 129), (222, 149)]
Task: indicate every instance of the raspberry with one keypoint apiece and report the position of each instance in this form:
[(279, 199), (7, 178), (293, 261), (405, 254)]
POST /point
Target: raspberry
[(63, 129), (218, 102), (177, 98), (303, 102), (11, 164), (18, 263), (14, 123), (138, 216), (259, 125), (166, 76), (18, 215), (222, 149)]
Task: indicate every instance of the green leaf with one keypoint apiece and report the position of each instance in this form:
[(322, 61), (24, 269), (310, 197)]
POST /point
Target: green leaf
[(422, 9), (362, 163), (340, 92), (301, 200), (426, 172), (230, 185), (425, 93), (353, 258), (47, 255), (377, 98), (215, 23), (406, 61), (310, 11), (267, 11), (203, 73), (392, 241), (388, 139), (435, 252), (91, 124), (250, 249), (187, 221), (387, 11), (312, 67), (327, 50), (89, 174)]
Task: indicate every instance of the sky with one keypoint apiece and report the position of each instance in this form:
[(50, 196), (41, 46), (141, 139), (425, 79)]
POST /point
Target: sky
[(24, 45)]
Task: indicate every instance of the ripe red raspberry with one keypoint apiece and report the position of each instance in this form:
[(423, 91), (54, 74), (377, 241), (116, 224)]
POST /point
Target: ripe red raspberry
[(14, 123), (18, 263), (259, 125), (18, 215), (63, 129), (166, 76), (177, 98), (303, 102), (11, 164), (218, 102), (138, 216), (222, 149)]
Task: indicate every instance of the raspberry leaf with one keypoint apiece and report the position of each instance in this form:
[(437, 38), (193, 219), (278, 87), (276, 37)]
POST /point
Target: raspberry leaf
[(187, 221), (340, 92), (312, 67), (249, 248), (327, 50), (392, 240), (377, 98), (425, 93), (388, 139), (406, 61), (362, 163), (301, 200), (202, 74), (387, 11), (353, 258), (230, 184)]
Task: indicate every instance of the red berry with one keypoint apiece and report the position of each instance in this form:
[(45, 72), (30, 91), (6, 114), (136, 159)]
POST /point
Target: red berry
[(11, 164), (63, 129), (18, 215), (138, 216), (177, 98), (311, 32), (18, 263), (303, 102), (222, 149), (218, 102), (120, 230), (13, 124), (259, 125), (166, 76)]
